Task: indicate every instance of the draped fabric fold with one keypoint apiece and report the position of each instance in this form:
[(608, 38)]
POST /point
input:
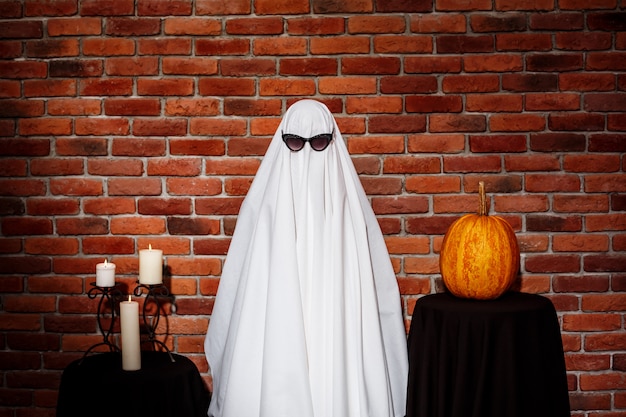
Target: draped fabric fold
[(308, 320)]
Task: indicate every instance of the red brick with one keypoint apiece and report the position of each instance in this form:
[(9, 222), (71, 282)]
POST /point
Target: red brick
[(280, 46), (586, 82), (108, 47), (206, 147), (137, 226), (135, 66), (226, 87), (252, 107), (22, 187), (397, 124), (408, 244), (591, 163), (535, 5), (45, 126), (398, 205), (553, 102), (49, 88), (164, 8), (23, 69), (10, 89), (605, 183), (52, 206), (52, 48), (497, 143), (194, 186), (426, 65), (218, 7), (411, 164), (106, 87), (580, 284), (107, 167), (217, 126), (76, 187), (460, 44), (438, 23), (51, 246), (434, 104), (523, 42), (211, 246), (218, 205), (574, 203), (376, 24), (161, 206), (286, 87), (517, 122), (552, 263), (21, 108), (192, 226), (132, 106), (339, 45), (29, 304), (553, 223), (134, 186), (160, 127), (13, 168), (74, 26), (138, 147), (428, 143), (237, 186), (356, 6), (106, 7), (540, 183), (82, 226), (376, 145), (184, 167), (192, 26), (445, 123), (426, 184), (74, 107), (109, 205), (605, 263), (164, 46), (315, 26), (281, 7), (108, 126), (108, 245), (214, 47), (254, 26), (402, 44), (493, 63), (557, 21), (529, 82), (520, 204), (470, 5), (580, 243)]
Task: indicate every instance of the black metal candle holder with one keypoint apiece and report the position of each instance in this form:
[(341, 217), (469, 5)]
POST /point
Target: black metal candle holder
[(155, 294), (108, 296)]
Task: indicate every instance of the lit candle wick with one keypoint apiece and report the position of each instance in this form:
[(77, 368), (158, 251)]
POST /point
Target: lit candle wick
[(149, 246)]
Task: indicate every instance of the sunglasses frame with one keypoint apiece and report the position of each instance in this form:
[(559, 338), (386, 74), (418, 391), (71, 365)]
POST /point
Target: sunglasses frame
[(286, 136)]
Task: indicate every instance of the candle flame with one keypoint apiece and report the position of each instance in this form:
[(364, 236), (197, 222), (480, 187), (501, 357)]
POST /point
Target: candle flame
[(105, 263), (129, 300), (149, 246)]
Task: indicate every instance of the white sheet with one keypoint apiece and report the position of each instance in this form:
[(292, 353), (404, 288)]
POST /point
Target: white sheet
[(308, 319)]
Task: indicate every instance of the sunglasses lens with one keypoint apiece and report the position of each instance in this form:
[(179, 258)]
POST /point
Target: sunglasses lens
[(293, 142), (320, 142)]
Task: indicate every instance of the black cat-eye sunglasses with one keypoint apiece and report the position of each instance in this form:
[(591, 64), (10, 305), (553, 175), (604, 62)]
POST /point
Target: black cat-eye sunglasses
[(317, 142)]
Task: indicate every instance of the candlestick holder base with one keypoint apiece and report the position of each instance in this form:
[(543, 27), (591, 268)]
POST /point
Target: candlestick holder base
[(151, 311), (108, 297)]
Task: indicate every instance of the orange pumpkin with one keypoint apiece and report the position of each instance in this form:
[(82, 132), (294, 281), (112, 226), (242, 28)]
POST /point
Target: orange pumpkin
[(479, 256)]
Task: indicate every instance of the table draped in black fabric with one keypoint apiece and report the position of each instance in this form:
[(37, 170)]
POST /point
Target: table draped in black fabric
[(97, 386), (496, 358)]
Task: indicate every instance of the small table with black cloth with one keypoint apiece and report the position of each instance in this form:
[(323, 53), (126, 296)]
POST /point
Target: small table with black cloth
[(97, 386), (496, 358)]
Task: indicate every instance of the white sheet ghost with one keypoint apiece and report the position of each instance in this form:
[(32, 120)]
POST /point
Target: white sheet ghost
[(308, 320)]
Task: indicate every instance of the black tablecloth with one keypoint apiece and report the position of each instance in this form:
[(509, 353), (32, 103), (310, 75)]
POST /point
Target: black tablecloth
[(97, 386), (497, 358)]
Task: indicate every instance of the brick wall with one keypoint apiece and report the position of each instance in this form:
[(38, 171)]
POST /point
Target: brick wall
[(129, 122)]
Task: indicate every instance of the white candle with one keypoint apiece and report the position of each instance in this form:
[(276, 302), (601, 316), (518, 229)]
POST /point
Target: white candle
[(131, 352), (150, 266), (105, 274)]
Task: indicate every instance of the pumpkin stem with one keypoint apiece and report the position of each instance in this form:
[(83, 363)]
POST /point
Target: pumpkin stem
[(482, 209)]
